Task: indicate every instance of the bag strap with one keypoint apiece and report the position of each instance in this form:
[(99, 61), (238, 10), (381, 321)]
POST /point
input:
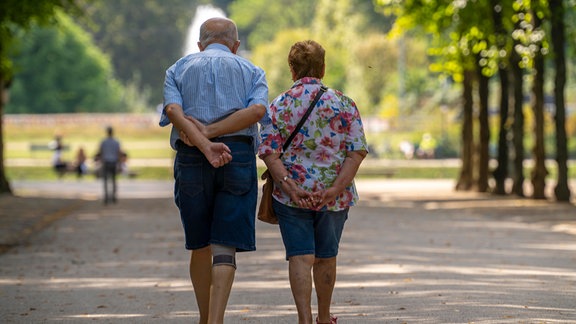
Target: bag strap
[(303, 120)]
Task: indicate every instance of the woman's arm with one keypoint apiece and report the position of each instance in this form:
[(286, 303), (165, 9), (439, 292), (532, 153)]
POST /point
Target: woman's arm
[(344, 178), (284, 181)]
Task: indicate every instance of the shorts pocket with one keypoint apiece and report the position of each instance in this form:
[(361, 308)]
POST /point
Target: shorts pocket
[(188, 172), (240, 174)]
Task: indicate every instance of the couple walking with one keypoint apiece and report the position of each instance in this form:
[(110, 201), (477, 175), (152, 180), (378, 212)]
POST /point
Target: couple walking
[(214, 100)]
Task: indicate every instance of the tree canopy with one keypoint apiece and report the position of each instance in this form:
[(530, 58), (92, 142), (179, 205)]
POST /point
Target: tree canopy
[(60, 70)]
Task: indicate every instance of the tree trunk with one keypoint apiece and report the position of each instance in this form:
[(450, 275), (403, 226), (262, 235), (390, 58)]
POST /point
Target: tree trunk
[(466, 178), (518, 125), (4, 184), (501, 172), (484, 126), (539, 173), (561, 191)]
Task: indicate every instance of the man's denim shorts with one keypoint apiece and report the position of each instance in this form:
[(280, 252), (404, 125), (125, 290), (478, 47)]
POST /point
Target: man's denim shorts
[(307, 231), (217, 205)]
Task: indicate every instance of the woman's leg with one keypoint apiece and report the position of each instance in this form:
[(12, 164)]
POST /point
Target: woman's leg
[(299, 271), (324, 280)]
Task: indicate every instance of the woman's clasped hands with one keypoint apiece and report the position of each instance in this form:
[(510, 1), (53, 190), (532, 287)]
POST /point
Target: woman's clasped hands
[(315, 200)]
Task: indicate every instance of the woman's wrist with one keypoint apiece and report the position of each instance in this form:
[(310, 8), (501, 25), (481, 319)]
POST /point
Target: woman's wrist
[(284, 183)]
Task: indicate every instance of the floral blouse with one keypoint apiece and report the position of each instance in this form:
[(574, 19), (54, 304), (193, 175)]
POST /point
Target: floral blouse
[(316, 154)]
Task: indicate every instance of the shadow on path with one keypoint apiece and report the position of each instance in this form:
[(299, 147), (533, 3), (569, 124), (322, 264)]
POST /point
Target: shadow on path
[(431, 257)]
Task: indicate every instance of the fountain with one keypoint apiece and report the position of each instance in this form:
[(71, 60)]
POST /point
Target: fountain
[(203, 12)]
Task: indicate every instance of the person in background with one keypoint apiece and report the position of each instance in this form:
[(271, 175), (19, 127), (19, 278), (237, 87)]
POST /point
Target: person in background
[(58, 163), (80, 163), (109, 157), (314, 186), (213, 100)]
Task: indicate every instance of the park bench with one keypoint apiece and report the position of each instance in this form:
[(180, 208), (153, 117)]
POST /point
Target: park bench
[(34, 147)]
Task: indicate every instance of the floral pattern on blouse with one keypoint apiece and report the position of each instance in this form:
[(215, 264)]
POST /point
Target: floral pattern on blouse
[(316, 154)]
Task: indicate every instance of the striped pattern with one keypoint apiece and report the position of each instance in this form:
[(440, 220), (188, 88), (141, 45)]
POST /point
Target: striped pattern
[(212, 84)]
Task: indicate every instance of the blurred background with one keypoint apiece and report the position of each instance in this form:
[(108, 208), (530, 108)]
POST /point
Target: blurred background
[(456, 89)]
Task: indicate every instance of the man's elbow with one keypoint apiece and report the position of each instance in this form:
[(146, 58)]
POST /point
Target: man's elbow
[(170, 110), (259, 111)]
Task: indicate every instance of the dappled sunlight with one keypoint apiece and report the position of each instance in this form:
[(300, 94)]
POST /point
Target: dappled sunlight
[(500, 203), (262, 284), (101, 316), (69, 283), (553, 247), (415, 260)]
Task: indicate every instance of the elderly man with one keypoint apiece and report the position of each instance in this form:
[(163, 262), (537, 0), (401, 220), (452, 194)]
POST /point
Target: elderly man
[(213, 100)]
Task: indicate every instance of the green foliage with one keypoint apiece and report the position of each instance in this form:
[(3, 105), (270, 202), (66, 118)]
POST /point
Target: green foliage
[(59, 70), (261, 20), (143, 38), (16, 14), (273, 58)]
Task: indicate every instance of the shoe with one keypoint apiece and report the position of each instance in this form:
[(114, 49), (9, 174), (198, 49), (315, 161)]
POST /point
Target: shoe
[(333, 320)]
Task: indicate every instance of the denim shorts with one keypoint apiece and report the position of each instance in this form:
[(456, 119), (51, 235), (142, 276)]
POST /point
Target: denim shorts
[(307, 231), (217, 205)]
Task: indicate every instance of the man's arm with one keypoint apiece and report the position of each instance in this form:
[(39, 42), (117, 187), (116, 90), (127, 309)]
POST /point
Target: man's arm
[(234, 122), (217, 154)]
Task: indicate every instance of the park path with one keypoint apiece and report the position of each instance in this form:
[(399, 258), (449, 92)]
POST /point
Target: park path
[(412, 252)]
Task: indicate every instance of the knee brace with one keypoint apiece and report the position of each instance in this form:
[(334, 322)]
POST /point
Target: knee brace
[(223, 255)]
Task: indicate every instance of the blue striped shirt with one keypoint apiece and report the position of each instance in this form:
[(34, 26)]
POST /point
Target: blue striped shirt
[(211, 85)]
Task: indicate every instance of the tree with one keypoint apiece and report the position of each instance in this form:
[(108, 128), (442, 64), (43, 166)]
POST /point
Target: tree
[(64, 70), (466, 177), (561, 191), (143, 38), (13, 14), (539, 172), (500, 32), (518, 122)]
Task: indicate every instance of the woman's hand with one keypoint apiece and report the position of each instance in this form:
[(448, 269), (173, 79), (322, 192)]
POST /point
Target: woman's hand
[(325, 197), (297, 195)]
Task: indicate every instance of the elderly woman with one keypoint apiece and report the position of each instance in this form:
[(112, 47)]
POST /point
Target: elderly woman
[(313, 178)]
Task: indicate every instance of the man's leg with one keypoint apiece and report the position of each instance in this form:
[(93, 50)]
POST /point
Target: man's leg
[(113, 176), (201, 274), (324, 279), (105, 182), (299, 273), (223, 271)]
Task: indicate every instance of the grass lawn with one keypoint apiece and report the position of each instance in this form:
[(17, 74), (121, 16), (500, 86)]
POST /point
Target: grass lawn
[(141, 138)]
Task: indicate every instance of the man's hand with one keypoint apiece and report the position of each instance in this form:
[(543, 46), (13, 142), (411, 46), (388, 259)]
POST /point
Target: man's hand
[(218, 154)]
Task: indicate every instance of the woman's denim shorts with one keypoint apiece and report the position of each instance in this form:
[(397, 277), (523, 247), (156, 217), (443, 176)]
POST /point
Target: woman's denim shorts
[(307, 231), (217, 205)]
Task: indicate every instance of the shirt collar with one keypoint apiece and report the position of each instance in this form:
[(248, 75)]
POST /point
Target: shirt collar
[(218, 46), (306, 80)]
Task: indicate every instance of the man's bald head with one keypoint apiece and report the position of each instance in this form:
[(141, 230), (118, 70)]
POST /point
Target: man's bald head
[(219, 30)]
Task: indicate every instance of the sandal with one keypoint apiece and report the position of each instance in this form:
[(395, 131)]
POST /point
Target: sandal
[(333, 320)]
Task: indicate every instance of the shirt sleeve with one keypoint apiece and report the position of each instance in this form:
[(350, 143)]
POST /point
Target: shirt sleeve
[(171, 94), (259, 91), (271, 139), (356, 139)]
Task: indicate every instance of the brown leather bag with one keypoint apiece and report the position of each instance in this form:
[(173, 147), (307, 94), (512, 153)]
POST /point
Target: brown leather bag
[(265, 211)]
